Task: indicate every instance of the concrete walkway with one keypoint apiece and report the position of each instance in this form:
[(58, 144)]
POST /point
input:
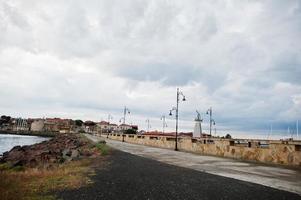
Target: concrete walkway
[(276, 177)]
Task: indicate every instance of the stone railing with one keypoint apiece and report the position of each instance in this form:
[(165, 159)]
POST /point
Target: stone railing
[(268, 151)]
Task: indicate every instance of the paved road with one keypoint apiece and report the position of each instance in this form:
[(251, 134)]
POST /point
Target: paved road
[(277, 177), (130, 177)]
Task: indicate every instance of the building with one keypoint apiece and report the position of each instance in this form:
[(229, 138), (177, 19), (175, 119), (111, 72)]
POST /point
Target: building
[(65, 125), (90, 127), (113, 127), (58, 125), (20, 124), (123, 127), (103, 127), (37, 125), (106, 127), (51, 124)]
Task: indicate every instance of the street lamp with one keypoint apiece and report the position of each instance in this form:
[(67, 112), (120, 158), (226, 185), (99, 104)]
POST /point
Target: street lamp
[(163, 118), (209, 112), (109, 117), (179, 93), (109, 128), (148, 125), (125, 111)]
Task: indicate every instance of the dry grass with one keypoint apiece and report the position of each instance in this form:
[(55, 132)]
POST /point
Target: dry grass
[(39, 183)]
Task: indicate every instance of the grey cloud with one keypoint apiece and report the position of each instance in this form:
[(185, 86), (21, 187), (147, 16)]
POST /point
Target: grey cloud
[(242, 58), (172, 74)]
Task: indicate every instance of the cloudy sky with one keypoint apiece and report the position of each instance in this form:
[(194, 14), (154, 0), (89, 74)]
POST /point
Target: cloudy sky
[(86, 59)]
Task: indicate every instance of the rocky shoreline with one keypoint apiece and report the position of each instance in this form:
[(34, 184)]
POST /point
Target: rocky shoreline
[(61, 148)]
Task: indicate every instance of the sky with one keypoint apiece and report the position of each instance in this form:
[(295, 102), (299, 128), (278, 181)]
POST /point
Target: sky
[(87, 59)]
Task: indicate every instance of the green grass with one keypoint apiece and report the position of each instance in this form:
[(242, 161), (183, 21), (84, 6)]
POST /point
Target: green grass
[(8, 167), (103, 148)]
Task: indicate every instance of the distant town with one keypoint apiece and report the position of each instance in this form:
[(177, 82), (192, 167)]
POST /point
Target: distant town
[(59, 125)]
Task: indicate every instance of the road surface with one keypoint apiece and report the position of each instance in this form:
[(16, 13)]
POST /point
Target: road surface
[(131, 177), (288, 179)]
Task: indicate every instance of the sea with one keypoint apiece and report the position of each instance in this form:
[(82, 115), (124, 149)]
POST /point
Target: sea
[(8, 141)]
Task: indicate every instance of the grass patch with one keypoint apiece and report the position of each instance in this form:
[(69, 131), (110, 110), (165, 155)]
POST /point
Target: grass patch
[(103, 148), (33, 183)]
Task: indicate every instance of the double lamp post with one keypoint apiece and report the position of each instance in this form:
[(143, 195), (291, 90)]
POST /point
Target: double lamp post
[(176, 109)]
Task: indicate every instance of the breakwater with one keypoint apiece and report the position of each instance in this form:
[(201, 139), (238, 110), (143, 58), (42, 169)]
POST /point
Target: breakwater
[(266, 151)]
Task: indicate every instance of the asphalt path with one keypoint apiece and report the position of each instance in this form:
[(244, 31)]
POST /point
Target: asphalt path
[(278, 177), (128, 176)]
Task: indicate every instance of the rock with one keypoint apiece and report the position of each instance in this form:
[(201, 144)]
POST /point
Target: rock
[(59, 149), (66, 153), (74, 154)]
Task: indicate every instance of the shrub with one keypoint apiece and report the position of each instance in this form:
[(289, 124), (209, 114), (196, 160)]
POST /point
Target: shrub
[(103, 148), (130, 131)]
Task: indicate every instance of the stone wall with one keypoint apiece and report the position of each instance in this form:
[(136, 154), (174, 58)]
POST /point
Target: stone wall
[(267, 151)]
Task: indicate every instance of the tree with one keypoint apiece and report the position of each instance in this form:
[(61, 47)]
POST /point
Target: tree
[(228, 136), (130, 131), (78, 122), (89, 123), (4, 119)]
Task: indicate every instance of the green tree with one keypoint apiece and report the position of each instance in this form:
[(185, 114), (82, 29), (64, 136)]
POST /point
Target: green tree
[(78, 122), (228, 136), (130, 131)]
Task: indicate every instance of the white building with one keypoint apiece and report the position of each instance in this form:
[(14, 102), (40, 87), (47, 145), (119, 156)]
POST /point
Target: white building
[(37, 125)]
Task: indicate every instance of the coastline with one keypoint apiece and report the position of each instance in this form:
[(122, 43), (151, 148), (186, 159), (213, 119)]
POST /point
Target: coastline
[(40, 170)]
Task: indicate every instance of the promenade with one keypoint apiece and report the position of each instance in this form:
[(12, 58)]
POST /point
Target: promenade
[(287, 179)]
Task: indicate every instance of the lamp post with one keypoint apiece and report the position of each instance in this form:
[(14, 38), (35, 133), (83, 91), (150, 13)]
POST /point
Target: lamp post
[(163, 118), (148, 125), (209, 112), (109, 128), (125, 111), (179, 93), (109, 118)]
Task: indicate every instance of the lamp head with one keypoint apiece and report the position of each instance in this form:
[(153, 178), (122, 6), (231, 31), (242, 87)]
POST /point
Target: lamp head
[(170, 114), (184, 99)]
